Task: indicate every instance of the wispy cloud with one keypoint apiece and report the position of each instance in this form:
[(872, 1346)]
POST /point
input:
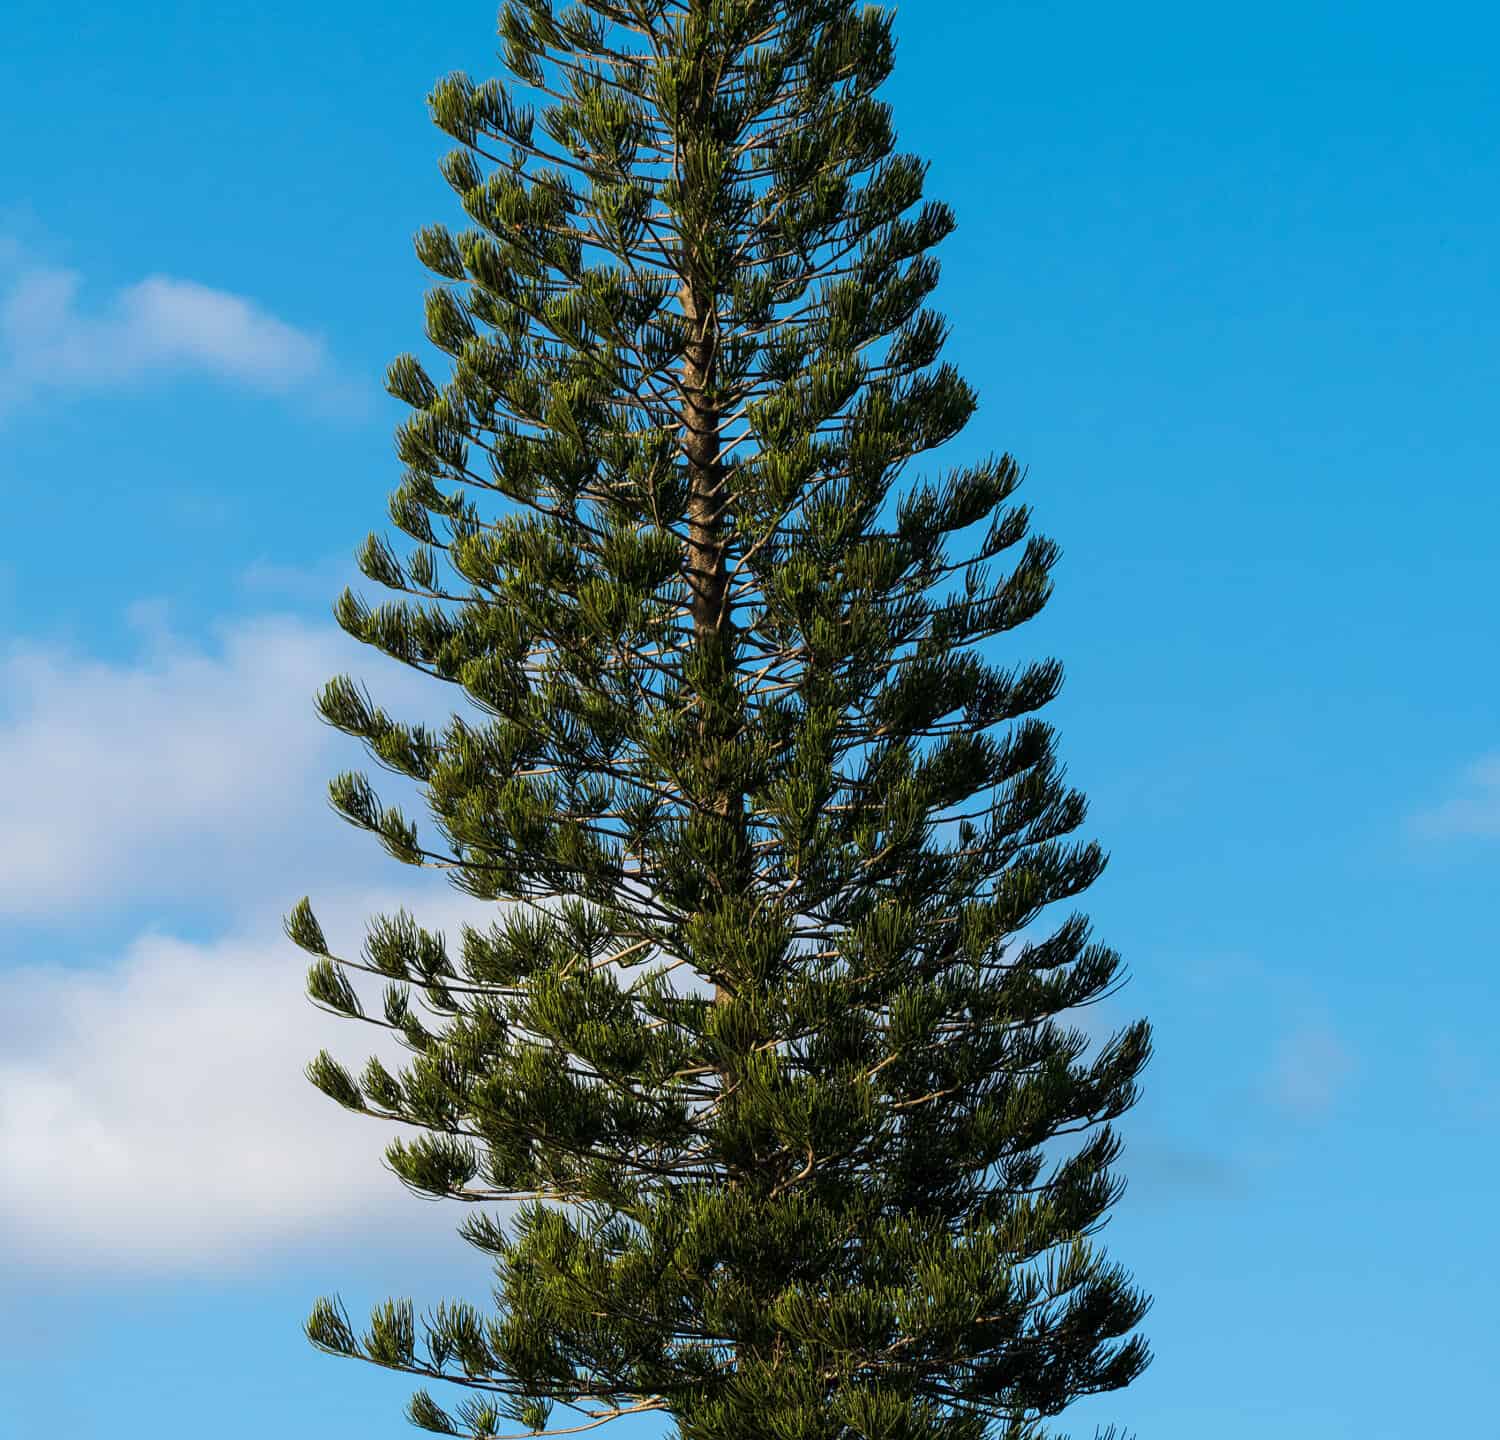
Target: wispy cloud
[(1473, 806), (51, 338), (1464, 1076), (1170, 1169), (1310, 1070)]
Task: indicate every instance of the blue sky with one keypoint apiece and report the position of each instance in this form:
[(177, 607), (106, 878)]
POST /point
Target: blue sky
[(1224, 280)]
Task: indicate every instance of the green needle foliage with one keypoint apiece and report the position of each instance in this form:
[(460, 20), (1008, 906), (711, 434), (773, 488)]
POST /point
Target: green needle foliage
[(756, 1060)]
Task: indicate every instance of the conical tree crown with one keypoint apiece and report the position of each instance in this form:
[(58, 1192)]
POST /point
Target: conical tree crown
[(755, 1043)]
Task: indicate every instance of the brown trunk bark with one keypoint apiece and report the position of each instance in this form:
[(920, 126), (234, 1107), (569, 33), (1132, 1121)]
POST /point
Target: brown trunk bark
[(707, 552), (708, 571)]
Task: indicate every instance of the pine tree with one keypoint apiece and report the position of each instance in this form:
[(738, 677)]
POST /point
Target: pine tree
[(762, 1043)]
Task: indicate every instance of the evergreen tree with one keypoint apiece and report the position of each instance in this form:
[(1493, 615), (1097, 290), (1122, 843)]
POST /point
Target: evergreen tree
[(756, 1042)]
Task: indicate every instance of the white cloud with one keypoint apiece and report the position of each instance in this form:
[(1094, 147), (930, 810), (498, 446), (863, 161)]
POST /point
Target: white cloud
[(153, 1109), (1472, 809), (190, 772), (50, 339), (155, 1114), (157, 776)]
